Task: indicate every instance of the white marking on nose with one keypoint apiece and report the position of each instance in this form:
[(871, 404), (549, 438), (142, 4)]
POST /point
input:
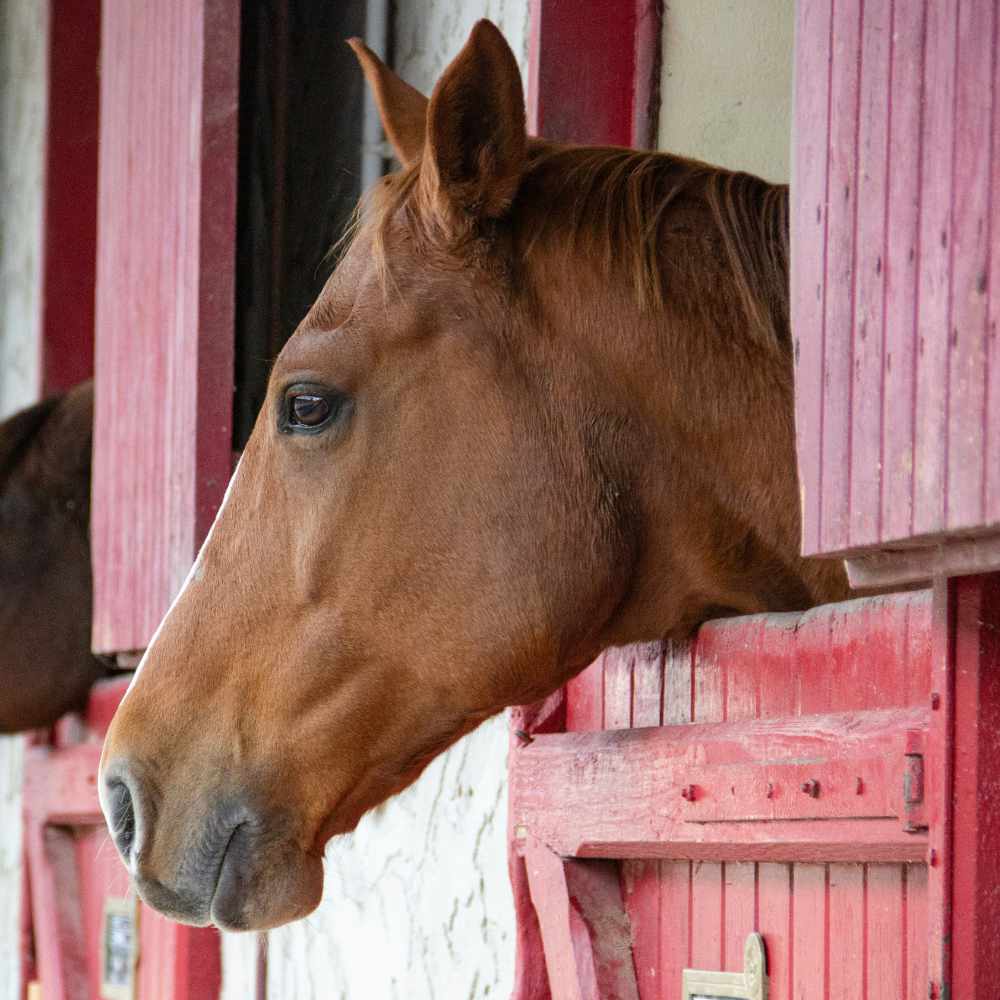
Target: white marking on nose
[(196, 573)]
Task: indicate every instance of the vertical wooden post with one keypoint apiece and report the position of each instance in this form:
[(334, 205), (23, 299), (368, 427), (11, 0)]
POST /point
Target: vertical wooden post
[(939, 784), (975, 825)]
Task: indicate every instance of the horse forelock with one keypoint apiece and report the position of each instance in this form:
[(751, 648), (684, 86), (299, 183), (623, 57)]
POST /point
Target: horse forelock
[(613, 207)]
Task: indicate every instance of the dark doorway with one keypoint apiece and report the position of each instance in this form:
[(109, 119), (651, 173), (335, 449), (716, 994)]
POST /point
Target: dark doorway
[(301, 113)]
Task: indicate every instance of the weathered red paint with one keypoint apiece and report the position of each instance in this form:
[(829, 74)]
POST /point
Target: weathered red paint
[(893, 275), (822, 878), (754, 790), (72, 870), (166, 246)]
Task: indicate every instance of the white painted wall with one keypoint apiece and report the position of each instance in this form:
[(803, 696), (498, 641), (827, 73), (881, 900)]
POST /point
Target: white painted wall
[(726, 85), (417, 905), (23, 94)]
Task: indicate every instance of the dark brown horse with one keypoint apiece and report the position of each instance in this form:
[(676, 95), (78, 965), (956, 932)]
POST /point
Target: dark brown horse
[(46, 667), (544, 405)]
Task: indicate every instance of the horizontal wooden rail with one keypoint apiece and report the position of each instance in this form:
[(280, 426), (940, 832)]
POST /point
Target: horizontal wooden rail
[(832, 787)]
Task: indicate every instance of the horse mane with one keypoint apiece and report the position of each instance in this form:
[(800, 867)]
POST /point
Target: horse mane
[(617, 205)]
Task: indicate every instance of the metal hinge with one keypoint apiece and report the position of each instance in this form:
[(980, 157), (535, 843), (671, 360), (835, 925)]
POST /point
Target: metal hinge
[(913, 783)]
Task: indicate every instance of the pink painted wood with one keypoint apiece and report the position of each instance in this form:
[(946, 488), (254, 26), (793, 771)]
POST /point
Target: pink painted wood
[(586, 932), (841, 902), (892, 304), (166, 238)]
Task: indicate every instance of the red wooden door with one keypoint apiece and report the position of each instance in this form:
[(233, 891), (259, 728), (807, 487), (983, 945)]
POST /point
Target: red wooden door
[(773, 798)]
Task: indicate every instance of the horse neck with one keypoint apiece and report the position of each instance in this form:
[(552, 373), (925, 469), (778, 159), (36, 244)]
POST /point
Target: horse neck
[(713, 408)]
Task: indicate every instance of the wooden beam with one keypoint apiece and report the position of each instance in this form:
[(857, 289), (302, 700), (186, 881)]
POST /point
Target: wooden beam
[(823, 787), (586, 932)]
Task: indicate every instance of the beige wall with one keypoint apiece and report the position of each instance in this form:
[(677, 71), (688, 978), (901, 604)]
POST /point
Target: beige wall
[(727, 83)]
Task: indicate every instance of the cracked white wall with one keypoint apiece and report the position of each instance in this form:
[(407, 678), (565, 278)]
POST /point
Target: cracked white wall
[(23, 95), (417, 905)]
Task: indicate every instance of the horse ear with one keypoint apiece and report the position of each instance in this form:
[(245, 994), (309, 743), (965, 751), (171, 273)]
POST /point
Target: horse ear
[(476, 135), (402, 108)]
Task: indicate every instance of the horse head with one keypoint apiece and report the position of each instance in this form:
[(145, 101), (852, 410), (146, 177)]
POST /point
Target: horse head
[(524, 420)]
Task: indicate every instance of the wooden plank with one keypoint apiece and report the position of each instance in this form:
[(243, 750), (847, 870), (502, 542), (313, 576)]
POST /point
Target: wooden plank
[(967, 418), (885, 932), (946, 557), (938, 787), (845, 936), (641, 879), (840, 275), (58, 918), (588, 950), (929, 457), (618, 665), (707, 915), (688, 791), (809, 216), (901, 263), (991, 445), (809, 931), (740, 917), (868, 322), (547, 882), (916, 932), (647, 684), (604, 952), (775, 926), (585, 699), (678, 668), (675, 926), (166, 228)]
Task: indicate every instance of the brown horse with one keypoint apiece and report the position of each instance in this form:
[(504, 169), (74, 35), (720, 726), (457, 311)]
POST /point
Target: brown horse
[(46, 667), (544, 405)]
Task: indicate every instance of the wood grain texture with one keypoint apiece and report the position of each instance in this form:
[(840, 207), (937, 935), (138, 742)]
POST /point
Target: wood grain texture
[(892, 311), (694, 906), (166, 228)]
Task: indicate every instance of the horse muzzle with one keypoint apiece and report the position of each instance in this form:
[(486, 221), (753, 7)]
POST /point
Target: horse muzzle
[(224, 863)]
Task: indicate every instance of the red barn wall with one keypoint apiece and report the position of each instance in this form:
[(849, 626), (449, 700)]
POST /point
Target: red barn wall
[(896, 158)]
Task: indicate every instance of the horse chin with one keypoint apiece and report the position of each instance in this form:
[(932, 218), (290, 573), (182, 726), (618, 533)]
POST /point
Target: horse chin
[(263, 888)]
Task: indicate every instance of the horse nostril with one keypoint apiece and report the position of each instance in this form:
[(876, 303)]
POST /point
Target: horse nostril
[(122, 817)]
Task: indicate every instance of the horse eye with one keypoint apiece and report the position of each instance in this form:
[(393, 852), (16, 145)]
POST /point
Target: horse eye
[(308, 410)]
